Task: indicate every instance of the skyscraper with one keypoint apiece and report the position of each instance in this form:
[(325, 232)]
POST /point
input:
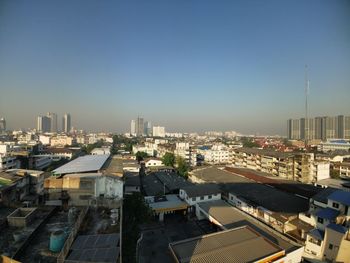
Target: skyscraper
[(139, 126), (158, 131), (293, 128), (2, 125), (43, 124), (147, 128), (53, 121), (133, 128), (66, 123)]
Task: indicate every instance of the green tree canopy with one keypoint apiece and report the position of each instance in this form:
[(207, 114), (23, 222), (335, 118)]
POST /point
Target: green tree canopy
[(249, 143), (182, 166), (140, 156), (168, 159)]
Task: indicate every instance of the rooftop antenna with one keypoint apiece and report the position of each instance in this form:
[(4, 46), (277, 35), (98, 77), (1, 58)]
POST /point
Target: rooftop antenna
[(307, 88)]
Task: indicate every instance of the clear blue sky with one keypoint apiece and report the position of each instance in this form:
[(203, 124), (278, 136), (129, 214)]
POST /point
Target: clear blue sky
[(187, 65)]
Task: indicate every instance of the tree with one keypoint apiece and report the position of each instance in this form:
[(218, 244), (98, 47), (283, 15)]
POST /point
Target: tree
[(135, 212), (140, 156), (249, 143), (182, 166), (168, 159)]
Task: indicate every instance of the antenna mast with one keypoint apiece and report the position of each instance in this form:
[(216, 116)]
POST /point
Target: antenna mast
[(307, 83)]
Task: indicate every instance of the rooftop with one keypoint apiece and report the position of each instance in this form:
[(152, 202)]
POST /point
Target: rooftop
[(271, 153), (322, 196), (167, 202), (341, 197), (242, 244), (95, 248), (337, 228), (201, 190), (318, 234), (87, 163), (327, 213), (215, 175), (269, 197), (230, 217)]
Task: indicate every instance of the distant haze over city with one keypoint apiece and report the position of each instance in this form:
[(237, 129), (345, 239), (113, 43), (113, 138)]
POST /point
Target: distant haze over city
[(185, 65)]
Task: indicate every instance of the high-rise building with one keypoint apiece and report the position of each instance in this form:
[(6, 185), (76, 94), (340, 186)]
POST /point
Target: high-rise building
[(66, 123), (330, 128), (147, 128), (2, 125), (321, 128), (158, 131), (139, 126), (53, 118), (293, 127), (318, 128), (43, 124), (133, 128), (346, 127)]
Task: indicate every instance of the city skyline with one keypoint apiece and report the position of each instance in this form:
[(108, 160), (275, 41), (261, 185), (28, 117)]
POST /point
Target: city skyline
[(185, 65)]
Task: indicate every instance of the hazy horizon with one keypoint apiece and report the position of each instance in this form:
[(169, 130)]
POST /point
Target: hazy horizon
[(186, 65)]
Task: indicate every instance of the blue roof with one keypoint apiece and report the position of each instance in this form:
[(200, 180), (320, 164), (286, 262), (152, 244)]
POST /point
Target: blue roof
[(338, 228), (328, 213), (318, 234), (338, 141), (340, 196)]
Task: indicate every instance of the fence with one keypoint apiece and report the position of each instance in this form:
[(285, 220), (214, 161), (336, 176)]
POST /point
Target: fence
[(65, 250)]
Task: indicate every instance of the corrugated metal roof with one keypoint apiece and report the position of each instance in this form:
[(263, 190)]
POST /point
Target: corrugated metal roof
[(236, 245), (231, 217), (201, 190), (87, 163)]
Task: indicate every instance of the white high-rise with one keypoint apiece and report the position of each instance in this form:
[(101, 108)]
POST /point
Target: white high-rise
[(66, 123), (133, 128), (158, 131)]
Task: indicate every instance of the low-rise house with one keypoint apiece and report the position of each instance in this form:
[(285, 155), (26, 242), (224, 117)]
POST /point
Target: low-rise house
[(153, 162), (13, 188), (330, 240), (198, 193), (101, 151)]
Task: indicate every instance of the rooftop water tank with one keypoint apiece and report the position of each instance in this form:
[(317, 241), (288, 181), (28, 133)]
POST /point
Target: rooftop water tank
[(57, 240)]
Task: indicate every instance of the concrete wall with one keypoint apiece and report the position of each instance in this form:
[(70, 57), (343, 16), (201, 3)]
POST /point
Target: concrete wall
[(21, 217)]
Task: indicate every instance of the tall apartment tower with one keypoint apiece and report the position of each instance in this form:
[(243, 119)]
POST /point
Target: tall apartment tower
[(66, 123), (2, 125), (43, 124), (293, 129), (147, 128), (133, 128), (346, 127), (330, 127), (53, 118), (139, 126), (320, 128)]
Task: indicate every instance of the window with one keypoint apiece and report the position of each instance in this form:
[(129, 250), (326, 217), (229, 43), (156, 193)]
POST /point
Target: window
[(330, 246), (320, 220), (231, 197), (209, 197), (335, 205), (202, 197), (193, 199)]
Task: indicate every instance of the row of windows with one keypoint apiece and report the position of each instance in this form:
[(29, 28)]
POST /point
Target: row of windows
[(202, 197)]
